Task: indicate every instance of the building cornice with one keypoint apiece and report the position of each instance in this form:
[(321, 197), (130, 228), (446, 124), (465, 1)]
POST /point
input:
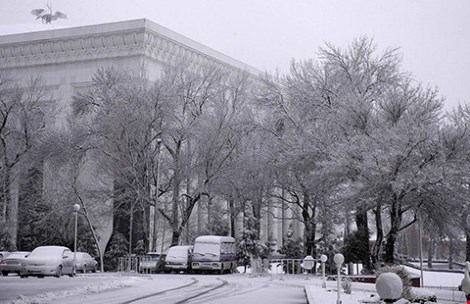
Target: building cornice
[(121, 39)]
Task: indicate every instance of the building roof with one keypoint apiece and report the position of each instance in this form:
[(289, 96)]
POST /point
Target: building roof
[(125, 38)]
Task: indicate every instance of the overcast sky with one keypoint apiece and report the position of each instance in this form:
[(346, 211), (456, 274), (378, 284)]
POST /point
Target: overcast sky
[(433, 35)]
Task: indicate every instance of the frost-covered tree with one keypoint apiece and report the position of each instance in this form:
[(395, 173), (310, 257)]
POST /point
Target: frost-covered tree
[(115, 126), (202, 130), (25, 108)]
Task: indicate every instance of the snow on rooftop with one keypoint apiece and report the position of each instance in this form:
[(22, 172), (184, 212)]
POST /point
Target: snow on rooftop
[(10, 29)]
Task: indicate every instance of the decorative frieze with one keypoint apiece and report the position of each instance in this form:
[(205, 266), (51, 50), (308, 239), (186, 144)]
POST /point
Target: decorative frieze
[(133, 41)]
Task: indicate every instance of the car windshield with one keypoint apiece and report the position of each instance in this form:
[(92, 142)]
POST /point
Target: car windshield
[(207, 249), (153, 256), (178, 252)]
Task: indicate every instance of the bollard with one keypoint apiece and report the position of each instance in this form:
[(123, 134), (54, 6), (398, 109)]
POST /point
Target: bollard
[(339, 259), (323, 260), (389, 286), (307, 264)]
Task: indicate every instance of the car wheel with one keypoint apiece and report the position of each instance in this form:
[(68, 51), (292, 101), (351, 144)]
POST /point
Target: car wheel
[(94, 270), (5, 273), (58, 272)]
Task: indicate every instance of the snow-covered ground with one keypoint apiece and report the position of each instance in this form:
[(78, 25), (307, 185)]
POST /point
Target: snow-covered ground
[(120, 286), (445, 289)]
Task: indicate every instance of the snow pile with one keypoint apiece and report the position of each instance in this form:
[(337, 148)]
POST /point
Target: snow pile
[(86, 290)]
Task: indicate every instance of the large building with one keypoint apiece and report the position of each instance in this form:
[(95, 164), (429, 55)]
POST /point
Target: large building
[(66, 59)]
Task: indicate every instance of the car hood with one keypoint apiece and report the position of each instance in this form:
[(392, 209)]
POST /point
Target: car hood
[(43, 260)]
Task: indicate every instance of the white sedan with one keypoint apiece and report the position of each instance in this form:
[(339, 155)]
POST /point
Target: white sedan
[(12, 263), (48, 261)]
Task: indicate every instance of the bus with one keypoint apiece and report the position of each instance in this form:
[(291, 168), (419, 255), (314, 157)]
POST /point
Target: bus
[(214, 253)]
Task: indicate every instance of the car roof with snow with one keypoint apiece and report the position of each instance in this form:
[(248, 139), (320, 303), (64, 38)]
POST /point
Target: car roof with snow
[(214, 239)]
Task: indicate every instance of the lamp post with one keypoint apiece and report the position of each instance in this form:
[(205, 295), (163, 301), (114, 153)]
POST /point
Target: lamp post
[(323, 260), (420, 246), (339, 259), (75, 209)]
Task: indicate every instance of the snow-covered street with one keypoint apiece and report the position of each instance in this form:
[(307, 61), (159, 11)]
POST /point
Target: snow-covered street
[(120, 288), (159, 288)]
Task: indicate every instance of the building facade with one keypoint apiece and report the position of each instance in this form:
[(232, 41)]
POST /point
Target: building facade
[(66, 60)]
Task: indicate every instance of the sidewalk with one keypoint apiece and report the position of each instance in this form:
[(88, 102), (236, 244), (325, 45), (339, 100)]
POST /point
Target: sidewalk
[(315, 294), (365, 293)]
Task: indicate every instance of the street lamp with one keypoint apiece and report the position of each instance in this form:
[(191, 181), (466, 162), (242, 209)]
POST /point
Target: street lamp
[(75, 209), (323, 260), (339, 259)]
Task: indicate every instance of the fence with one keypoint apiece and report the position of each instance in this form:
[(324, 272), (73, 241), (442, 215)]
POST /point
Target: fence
[(278, 267), (128, 264), (258, 266), (136, 264)]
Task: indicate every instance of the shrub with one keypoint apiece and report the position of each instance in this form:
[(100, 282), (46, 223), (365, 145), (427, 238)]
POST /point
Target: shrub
[(346, 284)]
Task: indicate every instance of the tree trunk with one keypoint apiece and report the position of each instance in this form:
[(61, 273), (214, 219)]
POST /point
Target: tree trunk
[(432, 245), (395, 221), (13, 213), (310, 226), (310, 235), (377, 249), (232, 217), (467, 245), (174, 223), (175, 238), (257, 215), (363, 228), (451, 253), (131, 229)]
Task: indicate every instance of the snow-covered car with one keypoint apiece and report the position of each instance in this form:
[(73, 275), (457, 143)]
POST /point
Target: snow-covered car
[(84, 262), (152, 262), (3, 254), (12, 263), (178, 258), (48, 261)]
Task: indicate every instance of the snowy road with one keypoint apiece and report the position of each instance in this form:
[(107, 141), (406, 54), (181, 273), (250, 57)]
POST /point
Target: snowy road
[(178, 289), (114, 288)]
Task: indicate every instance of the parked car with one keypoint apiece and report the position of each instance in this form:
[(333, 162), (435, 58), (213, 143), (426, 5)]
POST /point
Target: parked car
[(48, 261), (12, 263), (84, 262), (3, 254), (178, 258), (152, 262)]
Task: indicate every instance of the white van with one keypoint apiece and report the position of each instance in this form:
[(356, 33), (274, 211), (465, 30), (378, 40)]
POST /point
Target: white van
[(178, 258), (214, 253)]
